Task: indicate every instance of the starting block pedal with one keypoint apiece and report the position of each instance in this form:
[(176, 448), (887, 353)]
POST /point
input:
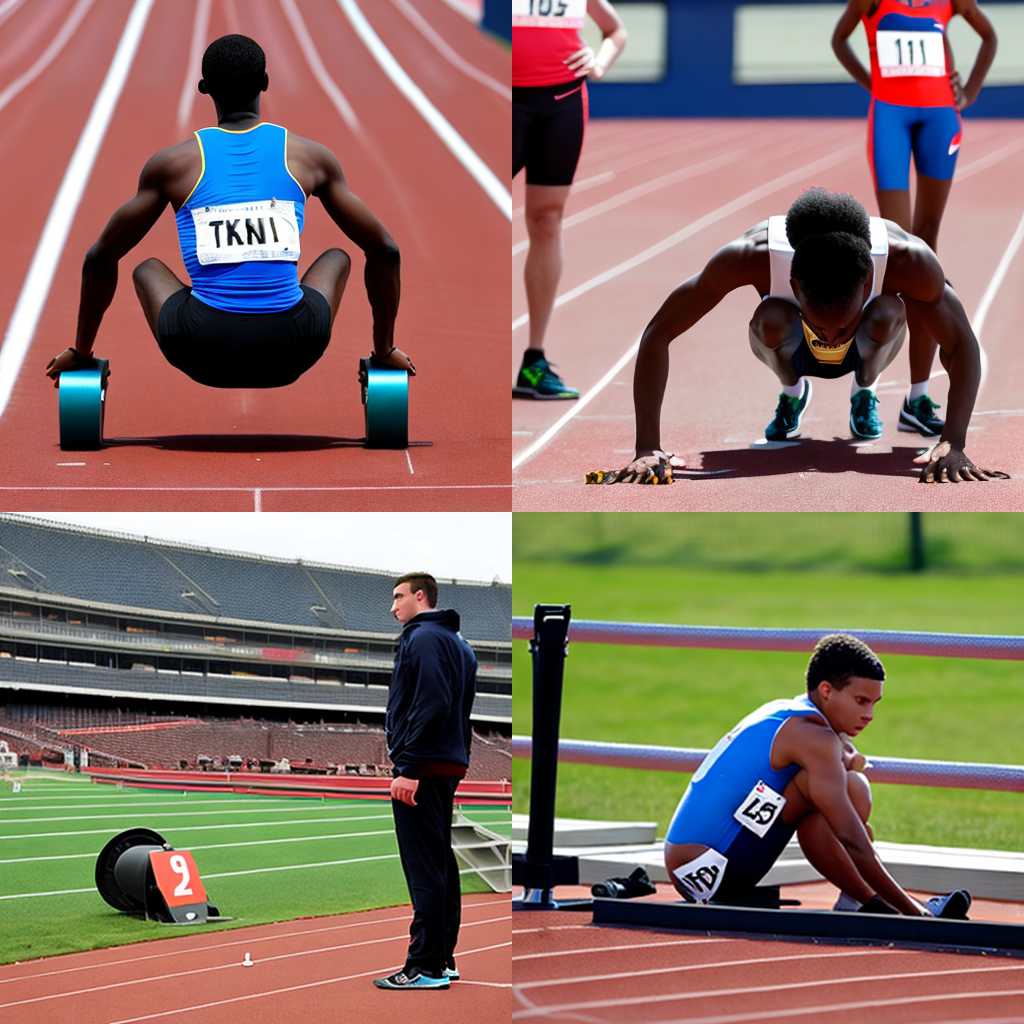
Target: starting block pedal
[(82, 400), (385, 394)]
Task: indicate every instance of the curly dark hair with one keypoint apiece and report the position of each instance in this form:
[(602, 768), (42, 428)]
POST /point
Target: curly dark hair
[(831, 268), (838, 657), (820, 212), (234, 70)]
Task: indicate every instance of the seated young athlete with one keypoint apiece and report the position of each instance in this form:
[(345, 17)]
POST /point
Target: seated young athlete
[(837, 289), (239, 192), (789, 767)]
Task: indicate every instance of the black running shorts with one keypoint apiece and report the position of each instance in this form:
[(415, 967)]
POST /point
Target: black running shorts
[(548, 124)]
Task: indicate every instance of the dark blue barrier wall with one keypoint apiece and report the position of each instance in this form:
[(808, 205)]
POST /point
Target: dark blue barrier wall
[(498, 17), (698, 80)]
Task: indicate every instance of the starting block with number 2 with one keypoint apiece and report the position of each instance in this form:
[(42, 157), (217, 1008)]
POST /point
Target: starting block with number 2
[(181, 891)]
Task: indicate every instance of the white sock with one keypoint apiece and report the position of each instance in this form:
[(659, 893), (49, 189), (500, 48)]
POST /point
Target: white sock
[(855, 387), (917, 390), (847, 902), (794, 390)]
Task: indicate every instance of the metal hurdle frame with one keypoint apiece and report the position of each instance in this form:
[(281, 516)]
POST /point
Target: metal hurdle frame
[(539, 870)]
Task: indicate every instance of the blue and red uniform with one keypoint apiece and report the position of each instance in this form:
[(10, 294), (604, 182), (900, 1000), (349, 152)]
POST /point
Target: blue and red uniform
[(549, 105), (913, 109)]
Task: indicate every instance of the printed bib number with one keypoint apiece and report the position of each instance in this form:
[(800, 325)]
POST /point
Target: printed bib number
[(548, 13), (701, 877), (911, 54), (759, 809), (246, 232)]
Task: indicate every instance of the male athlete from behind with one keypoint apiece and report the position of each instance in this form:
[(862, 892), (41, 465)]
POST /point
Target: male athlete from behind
[(790, 767), (239, 192), (837, 290)]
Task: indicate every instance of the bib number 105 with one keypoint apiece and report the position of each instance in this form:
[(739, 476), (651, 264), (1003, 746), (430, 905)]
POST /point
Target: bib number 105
[(548, 8)]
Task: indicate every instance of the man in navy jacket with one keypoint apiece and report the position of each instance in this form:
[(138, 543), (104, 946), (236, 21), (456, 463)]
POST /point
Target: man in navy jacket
[(429, 737)]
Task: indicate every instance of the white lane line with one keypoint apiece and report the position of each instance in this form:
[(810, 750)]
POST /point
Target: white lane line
[(193, 69), (257, 500), (748, 198), (985, 162), (470, 9), (286, 490), (48, 55), (664, 245), (36, 287), (981, 313), (450, 55), (309, 51), (458, 147), (646, 188), (291, 988), (8, 8), (600, 949), (408, 459)]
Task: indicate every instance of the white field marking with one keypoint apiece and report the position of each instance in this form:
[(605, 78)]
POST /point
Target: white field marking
[(309, 51), (745, 961), (985, 162), (292, 988), (205, 828), (179, 949), (285, 489), (8, 8), (257, 500), (615, 949), (457, 146), (734, 206), (162, 814), (637, 191), (754, 989), (130, 803), (72, 463), (222, 846), (490, 984), (193, 69), (48, 55), (656, 250), (824, 1011), (467, 8), (266, 958), (36, 286), (450, 55), (408, 459)]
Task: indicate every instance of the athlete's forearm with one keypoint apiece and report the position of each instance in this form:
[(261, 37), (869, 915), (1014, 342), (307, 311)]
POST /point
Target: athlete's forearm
[(982, 63), (845, 55), (874, 872), (609, 50), (964, 379), (383, 288), (649, 379), (99, 282)]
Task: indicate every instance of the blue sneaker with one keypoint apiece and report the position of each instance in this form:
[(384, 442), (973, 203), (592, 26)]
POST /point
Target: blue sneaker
[(918, 416), (864, 421), (401, 980), (539, 380), (788, 414)]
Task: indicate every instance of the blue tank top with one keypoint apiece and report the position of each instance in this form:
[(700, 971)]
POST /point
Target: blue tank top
[(737, 762), (239, 227)]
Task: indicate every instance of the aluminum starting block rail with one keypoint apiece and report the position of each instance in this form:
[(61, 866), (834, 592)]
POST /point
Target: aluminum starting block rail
[(826, 926)]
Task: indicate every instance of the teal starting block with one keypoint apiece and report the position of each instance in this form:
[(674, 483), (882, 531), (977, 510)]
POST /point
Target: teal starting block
[(82, 400), (386, 405)]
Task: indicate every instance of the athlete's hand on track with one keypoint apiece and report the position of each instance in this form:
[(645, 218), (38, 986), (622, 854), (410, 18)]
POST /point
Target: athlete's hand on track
[(945, 464), (582, 64), (396, 359), (653, 468), (69, 359)]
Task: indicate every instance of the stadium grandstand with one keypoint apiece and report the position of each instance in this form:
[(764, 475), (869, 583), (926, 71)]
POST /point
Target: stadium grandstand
[(121, 651)]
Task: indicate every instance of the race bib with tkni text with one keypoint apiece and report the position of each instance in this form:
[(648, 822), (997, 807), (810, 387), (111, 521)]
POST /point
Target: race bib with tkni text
[(548, 13), (911, 54), (701, 877), (759, 808), (246, 232)]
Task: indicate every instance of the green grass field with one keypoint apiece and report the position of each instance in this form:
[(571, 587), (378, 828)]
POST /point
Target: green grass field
[(261, 859), (665, 569)]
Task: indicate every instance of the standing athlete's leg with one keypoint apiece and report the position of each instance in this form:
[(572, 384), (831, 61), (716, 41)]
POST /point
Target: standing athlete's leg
[(328, 275), (155, 283), (545, 208)]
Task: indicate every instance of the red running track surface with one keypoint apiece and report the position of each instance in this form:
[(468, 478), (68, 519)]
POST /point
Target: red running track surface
[(178, 445), (313, 969), (566, 969), (653, 201)]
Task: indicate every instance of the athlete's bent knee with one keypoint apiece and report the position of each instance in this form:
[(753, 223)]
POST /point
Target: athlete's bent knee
[(859, 790), (884, 318), (773, 322)]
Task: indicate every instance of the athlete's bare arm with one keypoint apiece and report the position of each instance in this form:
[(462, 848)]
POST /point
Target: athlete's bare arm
[(978, 20), (913, 272), (848, 22), (585, 61), (742, 262), (817, 749), (322, 176)]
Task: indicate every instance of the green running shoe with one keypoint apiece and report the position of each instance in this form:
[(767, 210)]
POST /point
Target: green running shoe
[(918, 416), (788, 414), (539, 380), (864, 421)]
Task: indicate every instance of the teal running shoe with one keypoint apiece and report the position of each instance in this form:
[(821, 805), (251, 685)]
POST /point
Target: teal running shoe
[(864, 420), (788, 414), (539, 380), (918, 416), (401, 980)]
